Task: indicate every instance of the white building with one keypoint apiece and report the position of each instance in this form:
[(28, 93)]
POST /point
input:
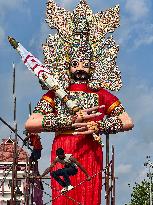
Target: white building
[(6, 160)]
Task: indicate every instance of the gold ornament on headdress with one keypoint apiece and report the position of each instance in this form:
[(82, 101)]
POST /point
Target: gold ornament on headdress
[(82, 34)]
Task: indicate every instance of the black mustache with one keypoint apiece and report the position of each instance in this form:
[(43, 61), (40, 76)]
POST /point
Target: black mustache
[(80, 75), (80, 72)]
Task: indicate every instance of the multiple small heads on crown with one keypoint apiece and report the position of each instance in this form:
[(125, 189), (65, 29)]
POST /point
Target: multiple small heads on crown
[(80, 51)]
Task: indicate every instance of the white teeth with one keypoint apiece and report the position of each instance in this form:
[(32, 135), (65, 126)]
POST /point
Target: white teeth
[(98, 113)]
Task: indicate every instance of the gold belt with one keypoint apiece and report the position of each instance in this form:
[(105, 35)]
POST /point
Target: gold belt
[(65, 132)]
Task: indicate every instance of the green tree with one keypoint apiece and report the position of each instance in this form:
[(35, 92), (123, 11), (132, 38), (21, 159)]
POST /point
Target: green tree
[(141, 193)]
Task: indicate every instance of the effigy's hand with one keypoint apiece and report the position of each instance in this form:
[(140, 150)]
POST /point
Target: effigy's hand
[(88, 128), (85, 128), (87, 114)]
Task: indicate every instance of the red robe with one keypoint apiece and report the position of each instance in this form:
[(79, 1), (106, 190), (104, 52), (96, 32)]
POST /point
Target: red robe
[(86, 151)]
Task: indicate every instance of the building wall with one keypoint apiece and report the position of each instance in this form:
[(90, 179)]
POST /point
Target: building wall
[(5, 190)]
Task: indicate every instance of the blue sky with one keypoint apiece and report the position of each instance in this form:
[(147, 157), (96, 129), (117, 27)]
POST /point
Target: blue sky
[(24, 20)]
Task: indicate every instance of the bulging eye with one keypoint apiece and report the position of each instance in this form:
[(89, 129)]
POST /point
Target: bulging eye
[(74, 64), (86, 65)]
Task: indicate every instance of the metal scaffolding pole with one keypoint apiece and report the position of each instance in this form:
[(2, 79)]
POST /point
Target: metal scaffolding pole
[(110, 179), (107, 171), (15, 152), (113, 178)]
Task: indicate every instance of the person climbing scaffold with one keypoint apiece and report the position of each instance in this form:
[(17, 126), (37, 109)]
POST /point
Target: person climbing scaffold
[(70, 169), (34, 140)]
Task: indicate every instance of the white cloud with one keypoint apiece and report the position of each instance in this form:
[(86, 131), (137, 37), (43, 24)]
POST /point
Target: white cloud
[(137, 8), (37, 40), (124, 32), (136, 27), (5, 7), (135, 34), (145, 36), (123, 168), (2, 35), (67, 3), (146, 40), (13, 4), (44, 32), (141, 175), (141, 96)]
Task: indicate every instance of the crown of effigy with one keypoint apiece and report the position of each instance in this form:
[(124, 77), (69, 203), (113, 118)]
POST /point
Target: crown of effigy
[(82, 36)]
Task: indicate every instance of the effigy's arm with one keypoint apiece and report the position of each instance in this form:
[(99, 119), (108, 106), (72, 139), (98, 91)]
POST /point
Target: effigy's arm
[(38, 123), (111, 125), (52, 122), (117, 121), (46, 118)]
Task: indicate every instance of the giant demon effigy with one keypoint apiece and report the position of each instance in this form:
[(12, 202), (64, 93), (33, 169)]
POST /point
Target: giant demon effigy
[(79, 68)]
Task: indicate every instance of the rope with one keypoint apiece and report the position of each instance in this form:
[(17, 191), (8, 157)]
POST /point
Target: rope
[(59, 191), (51, 196), (65, 196), (50, 186), (74, 187)]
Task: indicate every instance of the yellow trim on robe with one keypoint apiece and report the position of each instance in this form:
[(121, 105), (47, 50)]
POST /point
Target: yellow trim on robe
[(66, 132), (111, 108), (48, 99)]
